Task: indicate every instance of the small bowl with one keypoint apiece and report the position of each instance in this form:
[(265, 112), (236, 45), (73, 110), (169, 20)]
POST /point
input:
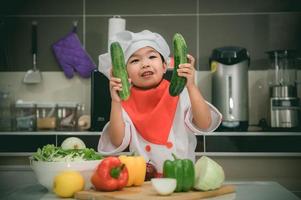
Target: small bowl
[(164, 186), (46, 171)]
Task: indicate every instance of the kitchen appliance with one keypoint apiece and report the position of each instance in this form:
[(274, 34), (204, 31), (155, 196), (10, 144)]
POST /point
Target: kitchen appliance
[(229, 67), (284, 106), (100, 101)]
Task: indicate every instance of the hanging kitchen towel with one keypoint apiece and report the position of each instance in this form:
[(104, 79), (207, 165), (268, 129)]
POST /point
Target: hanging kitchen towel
[(72, 57)]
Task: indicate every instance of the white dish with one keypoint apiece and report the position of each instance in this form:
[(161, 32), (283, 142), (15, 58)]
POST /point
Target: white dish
[(46, 171)]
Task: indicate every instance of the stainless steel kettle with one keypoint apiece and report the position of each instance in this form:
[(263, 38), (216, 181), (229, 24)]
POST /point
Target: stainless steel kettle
[(229, 67)]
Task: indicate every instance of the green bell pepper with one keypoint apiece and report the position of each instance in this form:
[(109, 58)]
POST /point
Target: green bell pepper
[(182, 170)]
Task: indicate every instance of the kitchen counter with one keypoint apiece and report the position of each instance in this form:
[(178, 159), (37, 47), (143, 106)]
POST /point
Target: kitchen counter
[(20, 183), (244, 191)]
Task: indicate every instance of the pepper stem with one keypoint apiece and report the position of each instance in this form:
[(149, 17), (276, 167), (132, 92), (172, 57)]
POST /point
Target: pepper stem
[(115, 172), (174, 156)]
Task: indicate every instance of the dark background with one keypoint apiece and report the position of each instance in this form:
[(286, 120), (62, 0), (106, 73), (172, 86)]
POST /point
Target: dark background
[(206, 24)]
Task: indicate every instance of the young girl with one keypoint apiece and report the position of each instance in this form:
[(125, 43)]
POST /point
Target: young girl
[(151, 122)]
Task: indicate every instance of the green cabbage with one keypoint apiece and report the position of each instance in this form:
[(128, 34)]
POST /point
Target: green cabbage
[(209, 175)]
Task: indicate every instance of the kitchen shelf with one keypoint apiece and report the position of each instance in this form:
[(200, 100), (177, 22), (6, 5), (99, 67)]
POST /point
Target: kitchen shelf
[(255, 133), (214, 144), (248, 154), (70, 133)]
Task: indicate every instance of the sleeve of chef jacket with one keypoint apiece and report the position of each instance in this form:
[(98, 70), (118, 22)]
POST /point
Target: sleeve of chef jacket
[(105, 145), (216, 117)]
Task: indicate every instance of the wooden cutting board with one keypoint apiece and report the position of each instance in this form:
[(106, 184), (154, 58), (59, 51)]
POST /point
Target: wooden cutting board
[(147, 192)]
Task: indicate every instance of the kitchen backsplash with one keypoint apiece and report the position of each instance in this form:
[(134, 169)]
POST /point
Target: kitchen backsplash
[(257, 25), (55, 87)]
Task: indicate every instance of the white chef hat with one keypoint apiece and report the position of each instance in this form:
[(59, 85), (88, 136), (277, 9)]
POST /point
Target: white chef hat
[(131, 42)]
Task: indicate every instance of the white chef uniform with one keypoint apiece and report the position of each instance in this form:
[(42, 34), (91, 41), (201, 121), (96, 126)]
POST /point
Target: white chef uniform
[(182, 140), (182, 136)]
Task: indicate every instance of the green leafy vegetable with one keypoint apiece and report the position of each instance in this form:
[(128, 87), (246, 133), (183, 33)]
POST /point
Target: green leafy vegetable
[(209, 175), (51, 153)]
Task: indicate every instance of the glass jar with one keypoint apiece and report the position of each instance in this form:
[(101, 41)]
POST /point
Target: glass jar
[(67, 116), (83, 120), (25, 116), (46, 116)]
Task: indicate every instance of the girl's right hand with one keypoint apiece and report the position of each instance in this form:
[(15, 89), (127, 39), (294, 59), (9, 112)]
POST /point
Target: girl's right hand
[(115, 87)]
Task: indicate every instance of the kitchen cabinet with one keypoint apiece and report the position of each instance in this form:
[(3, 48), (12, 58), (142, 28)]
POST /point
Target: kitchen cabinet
[(25, 143), (253, 143), (216, 143)]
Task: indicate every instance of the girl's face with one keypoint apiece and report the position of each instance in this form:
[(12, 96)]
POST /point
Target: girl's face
[(146, 68)]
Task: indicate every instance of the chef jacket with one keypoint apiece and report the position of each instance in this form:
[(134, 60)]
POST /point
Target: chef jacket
[(181, 141)]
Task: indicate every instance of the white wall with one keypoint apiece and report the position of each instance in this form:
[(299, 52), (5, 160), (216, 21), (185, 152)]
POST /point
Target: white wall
[(54, 87)]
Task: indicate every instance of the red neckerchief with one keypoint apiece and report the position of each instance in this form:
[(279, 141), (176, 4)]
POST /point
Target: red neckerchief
[(152, 112)]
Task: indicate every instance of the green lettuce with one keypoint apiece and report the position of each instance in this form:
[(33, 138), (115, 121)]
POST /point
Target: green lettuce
[(52, 153)]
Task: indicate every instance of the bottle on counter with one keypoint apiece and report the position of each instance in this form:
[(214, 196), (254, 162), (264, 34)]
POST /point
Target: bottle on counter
[(46, 116), (25, 112)]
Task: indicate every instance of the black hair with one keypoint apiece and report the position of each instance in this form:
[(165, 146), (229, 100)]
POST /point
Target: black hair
[(162, 58)]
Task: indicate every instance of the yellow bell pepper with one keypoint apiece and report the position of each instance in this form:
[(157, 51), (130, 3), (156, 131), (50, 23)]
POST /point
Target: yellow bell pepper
[(136, 166)]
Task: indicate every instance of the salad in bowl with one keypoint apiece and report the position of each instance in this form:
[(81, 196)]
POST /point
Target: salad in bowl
[(50, 160)]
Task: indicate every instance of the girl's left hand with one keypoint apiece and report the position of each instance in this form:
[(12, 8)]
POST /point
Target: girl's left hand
[(187, 70)]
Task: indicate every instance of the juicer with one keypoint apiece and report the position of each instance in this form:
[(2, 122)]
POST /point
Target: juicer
[(284, 108)]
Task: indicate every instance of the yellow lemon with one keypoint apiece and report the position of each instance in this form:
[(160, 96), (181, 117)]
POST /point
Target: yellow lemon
[(66, 183)]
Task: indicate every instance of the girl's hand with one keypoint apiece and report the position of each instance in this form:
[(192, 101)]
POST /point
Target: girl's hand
[(187, 70), (115, 87)]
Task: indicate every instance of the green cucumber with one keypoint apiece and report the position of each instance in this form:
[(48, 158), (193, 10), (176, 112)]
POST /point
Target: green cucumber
[(178, 83), (119, 69)]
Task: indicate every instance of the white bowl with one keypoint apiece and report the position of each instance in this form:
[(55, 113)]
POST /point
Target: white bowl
[(164, 186), (46, 171)]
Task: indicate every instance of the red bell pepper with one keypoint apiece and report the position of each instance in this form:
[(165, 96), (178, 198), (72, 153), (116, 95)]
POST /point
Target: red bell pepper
[(110, 175)]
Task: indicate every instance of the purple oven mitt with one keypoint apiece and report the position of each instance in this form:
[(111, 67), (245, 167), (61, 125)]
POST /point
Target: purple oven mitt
[(71, 56)]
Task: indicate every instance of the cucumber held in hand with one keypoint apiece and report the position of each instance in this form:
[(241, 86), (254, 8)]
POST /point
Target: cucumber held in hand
[(119, 69), (178, 83)]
